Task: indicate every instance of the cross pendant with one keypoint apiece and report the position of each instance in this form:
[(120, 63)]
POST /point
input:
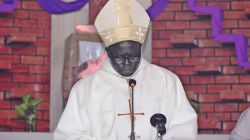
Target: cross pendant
[(130, 113)]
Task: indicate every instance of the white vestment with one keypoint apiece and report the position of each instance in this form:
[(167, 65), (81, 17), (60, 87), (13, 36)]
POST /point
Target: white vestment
[(95, 102), (242, 129)]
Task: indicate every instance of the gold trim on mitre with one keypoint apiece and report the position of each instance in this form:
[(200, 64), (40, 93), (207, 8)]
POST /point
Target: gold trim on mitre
[(114, 35), (122, 20)]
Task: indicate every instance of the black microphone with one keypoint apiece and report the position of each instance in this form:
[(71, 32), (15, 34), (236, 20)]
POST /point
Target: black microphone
[(132, 83), (159, 120)]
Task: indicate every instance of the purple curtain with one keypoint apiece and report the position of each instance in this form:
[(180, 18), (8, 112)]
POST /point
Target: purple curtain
[(8, 6), (60, 7), (8, 1), (156, 8)]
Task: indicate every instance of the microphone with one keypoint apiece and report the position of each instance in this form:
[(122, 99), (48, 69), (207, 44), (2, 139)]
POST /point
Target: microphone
[(159, 120), (132, 83)]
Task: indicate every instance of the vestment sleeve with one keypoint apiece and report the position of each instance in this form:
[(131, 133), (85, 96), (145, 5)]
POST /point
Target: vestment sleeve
[(181, 117), (74, 122), (241, 131)]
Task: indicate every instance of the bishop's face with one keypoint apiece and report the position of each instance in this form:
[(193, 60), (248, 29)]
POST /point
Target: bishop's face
[(125, 57)]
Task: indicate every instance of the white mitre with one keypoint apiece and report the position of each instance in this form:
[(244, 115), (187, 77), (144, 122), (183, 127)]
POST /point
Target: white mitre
[(122, 20)]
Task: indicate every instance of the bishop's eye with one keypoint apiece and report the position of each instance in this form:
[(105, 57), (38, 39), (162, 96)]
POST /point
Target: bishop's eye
[(134, 59), (119, 60), (131, 59)]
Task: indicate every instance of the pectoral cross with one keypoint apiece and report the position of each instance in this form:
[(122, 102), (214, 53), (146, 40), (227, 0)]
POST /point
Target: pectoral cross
[(130, 114)]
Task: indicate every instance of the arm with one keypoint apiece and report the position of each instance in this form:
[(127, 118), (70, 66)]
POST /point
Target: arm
[(182, 121), (74, 122)]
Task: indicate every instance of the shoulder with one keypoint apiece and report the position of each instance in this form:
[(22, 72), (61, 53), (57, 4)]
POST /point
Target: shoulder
[(160, 71), (81, 89), (87, 78), (246, 113), (84, 82)]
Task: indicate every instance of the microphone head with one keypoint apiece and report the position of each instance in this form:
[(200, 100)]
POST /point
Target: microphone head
[(159, 121), (131, 82)]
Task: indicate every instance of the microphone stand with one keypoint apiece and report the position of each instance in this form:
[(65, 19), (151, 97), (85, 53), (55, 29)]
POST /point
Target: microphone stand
[(132, 135), (159, 136), (132, 83)]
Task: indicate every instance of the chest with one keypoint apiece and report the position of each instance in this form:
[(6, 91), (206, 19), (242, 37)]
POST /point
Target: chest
[(110, 111)]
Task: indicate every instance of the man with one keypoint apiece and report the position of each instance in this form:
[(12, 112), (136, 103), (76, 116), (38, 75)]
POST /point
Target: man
[(99, 106)]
